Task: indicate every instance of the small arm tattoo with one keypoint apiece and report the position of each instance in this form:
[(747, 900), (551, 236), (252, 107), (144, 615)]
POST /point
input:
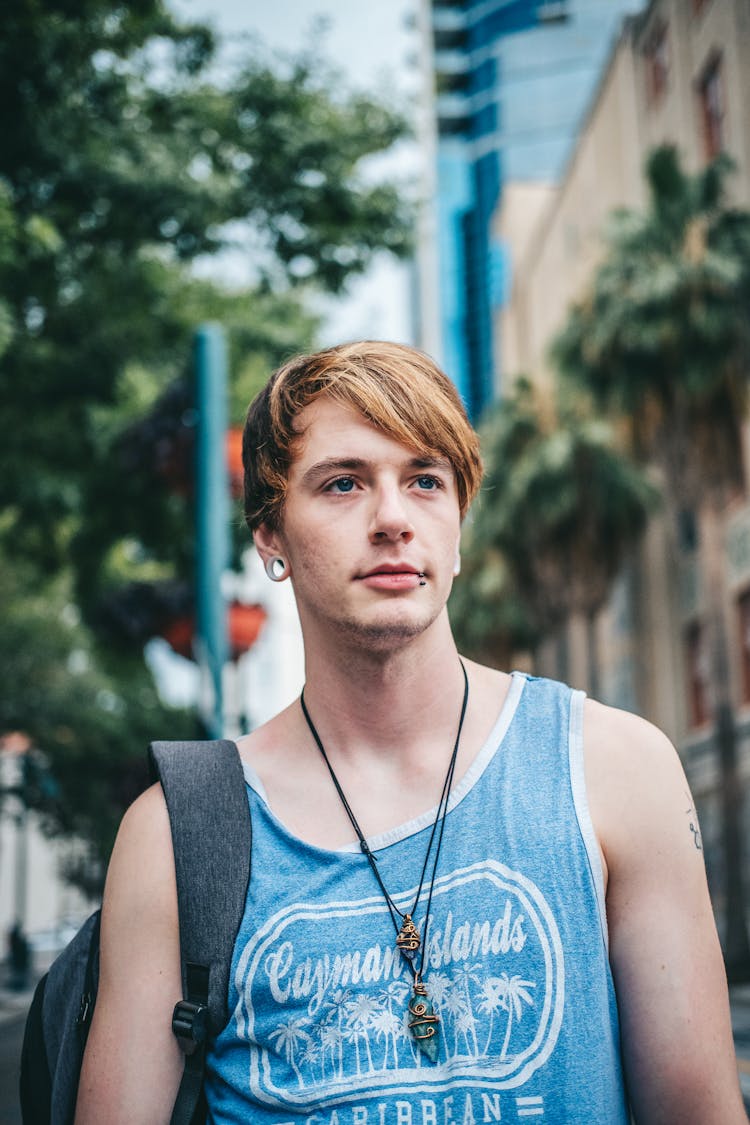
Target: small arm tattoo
[(693, 823)]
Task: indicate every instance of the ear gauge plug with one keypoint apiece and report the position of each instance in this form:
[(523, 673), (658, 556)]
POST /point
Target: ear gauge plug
[(276, 568)]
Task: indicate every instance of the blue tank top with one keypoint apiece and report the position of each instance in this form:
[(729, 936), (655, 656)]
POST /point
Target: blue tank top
[(516, 961)]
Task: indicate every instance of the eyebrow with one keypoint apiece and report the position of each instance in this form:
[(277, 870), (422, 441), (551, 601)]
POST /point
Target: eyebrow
[(322, 469)]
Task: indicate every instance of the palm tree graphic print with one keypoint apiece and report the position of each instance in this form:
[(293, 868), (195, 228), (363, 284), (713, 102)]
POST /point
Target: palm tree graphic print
[(338, 1021), (376, 1028)]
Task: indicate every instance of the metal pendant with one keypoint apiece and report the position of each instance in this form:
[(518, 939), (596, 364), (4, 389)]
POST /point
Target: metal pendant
[(424, 1024), (408, 939)]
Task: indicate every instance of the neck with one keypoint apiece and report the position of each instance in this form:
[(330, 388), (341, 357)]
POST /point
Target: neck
[(381, 700)]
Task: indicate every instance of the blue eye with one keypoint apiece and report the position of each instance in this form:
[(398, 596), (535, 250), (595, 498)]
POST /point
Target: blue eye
[(342, 484), (427, 483)]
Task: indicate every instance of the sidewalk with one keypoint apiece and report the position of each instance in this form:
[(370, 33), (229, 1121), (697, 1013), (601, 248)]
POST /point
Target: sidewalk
[(13, 1003)]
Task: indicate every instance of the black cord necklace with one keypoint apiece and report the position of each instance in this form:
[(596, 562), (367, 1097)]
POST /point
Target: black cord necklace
[(423, 1022)]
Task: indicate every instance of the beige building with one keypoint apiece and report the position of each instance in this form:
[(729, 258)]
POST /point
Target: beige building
[(679, 73), (33, 889)]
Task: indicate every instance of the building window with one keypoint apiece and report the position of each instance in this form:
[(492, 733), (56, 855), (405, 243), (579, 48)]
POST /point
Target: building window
[(451, 82), (698, 678), (743, 620), (553, 11), (711, 97), (449, 126), (657, 63), (450, 39)]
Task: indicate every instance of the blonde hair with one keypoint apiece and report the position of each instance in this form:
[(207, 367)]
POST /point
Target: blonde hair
[(400, 390)]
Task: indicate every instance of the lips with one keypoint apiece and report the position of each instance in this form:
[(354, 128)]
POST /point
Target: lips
[(391, 568), (392, 577)]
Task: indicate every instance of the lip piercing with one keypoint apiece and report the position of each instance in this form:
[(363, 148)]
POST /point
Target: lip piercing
[(422, 579)]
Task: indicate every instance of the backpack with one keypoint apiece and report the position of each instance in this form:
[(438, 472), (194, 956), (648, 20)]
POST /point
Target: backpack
[(209, 817)]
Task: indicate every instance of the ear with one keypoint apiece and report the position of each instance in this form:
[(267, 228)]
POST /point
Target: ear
[(268, 543)]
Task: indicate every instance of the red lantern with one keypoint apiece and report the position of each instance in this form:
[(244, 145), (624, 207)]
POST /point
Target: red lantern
[(179, 634), (245, 623)]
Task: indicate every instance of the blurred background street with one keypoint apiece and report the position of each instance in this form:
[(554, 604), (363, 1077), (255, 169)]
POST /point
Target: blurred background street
[(551, 197)]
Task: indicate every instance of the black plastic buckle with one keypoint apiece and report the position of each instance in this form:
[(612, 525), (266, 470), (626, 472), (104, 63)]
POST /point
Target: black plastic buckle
[(190, 1025)]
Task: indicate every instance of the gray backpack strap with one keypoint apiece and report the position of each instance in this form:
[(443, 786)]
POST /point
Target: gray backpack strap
[(209, 814)]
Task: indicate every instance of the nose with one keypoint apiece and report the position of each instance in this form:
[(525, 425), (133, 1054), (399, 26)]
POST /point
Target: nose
[(390, 519)]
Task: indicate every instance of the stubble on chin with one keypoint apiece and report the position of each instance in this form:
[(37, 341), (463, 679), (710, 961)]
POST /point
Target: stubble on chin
[(385, 635)]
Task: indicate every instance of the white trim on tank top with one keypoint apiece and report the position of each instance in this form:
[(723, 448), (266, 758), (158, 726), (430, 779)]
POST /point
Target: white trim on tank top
[(581, 804)]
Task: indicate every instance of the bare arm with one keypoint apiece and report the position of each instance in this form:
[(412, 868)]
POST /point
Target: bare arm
[(132, 1066), (667, 964)]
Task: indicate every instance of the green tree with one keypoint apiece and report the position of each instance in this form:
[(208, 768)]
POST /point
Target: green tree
[(121, 163), (89, 727), (126, 164), (134, 572), (490, 615), (489, 619), (663, 340), (562, 506)]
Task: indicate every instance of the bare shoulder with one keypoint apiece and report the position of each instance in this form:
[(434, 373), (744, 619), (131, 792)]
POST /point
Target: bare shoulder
[(622, 739), (664, 950), (144, 845), (637, 790), (140, 978), (145, 823), (140, 895)]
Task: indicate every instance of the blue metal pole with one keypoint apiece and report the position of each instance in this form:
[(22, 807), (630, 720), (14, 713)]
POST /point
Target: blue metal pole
[(212, 516)]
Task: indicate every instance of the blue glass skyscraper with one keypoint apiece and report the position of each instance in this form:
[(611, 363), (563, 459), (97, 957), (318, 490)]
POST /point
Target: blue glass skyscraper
[(512, 81)]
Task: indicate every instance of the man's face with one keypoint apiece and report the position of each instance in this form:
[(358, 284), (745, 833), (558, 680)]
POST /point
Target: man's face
[(363, 517)]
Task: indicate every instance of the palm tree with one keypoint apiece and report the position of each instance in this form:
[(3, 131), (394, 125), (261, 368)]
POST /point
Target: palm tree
[(516, 995), (663, 340), (360, 1012), (330, 1042), (490, 621), (490, 618), (387, 1026), (492, 1000), (440, 985), (335, 1009), (454, 1006), (289, 1036), (387, 1023), (464, 976), (311, 1055), (563, 507)]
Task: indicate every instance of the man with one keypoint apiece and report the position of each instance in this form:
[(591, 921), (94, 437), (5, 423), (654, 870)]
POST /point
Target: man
[(475, 897)]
